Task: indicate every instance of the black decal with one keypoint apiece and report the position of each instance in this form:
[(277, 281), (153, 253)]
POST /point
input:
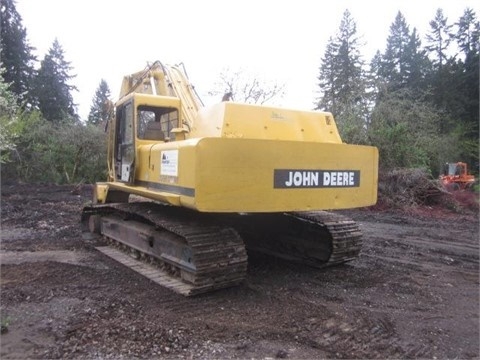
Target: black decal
[(308, 178)]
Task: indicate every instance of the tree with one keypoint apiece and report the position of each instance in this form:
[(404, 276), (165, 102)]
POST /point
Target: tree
[(16, 54), (405, 130), (343, 82), (468, 33), (403, 65), (438, 39), (405, 121), (8, 119), (52, 88), (467, 38), (247, 88), (102, 107), (454, 83), (395, 64), (465, 81), (417, 64), (327, 87), (56, 152)]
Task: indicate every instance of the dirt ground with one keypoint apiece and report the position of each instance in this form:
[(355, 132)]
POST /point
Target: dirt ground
[(412, 293)]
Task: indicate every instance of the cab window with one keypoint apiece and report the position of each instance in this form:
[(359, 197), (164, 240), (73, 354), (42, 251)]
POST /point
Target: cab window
[(156, 123)]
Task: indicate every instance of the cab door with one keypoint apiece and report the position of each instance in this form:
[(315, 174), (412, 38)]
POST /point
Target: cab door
[(125, 143)]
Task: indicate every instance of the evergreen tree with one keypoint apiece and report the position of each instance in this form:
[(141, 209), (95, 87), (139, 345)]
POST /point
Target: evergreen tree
[(16, 54), (52, 88), (327, 99), (442, 76), (404, 65), (403, 124), (417, 64), (465, 108), (467, 36), (438, 39), (393, 67), (102, 107), (342, 82), (454, 82), (376, 82)]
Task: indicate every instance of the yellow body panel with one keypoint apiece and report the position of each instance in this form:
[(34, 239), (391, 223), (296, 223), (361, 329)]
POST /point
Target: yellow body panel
[(273, 176), (253, 175), (246, 121)]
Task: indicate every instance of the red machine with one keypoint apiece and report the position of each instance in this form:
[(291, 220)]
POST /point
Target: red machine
[(455, 177)]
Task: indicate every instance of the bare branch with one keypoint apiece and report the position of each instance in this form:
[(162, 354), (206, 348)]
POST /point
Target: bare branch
[(248, 88)]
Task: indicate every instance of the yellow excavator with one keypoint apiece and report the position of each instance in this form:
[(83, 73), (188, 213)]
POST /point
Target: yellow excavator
[(191, 188)]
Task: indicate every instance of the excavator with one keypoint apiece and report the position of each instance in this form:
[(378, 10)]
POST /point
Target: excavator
[(193, 189)]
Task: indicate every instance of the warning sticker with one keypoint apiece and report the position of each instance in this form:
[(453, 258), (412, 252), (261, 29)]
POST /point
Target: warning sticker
[(169, 164)]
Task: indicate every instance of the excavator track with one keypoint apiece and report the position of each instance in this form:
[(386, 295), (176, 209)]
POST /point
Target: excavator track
[(193, 253), (315, 238), (174, 247), (345, 237)]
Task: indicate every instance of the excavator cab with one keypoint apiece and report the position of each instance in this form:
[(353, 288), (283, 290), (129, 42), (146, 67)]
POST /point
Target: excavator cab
[(138, 121)]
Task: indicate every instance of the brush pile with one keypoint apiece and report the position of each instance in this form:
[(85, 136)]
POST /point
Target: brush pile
[(400, 188)]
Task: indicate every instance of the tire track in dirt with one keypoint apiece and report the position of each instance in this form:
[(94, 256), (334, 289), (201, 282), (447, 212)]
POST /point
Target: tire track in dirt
[(405, 246)]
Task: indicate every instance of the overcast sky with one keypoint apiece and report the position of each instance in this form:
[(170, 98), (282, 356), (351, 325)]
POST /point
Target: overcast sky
[(281, 41)]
